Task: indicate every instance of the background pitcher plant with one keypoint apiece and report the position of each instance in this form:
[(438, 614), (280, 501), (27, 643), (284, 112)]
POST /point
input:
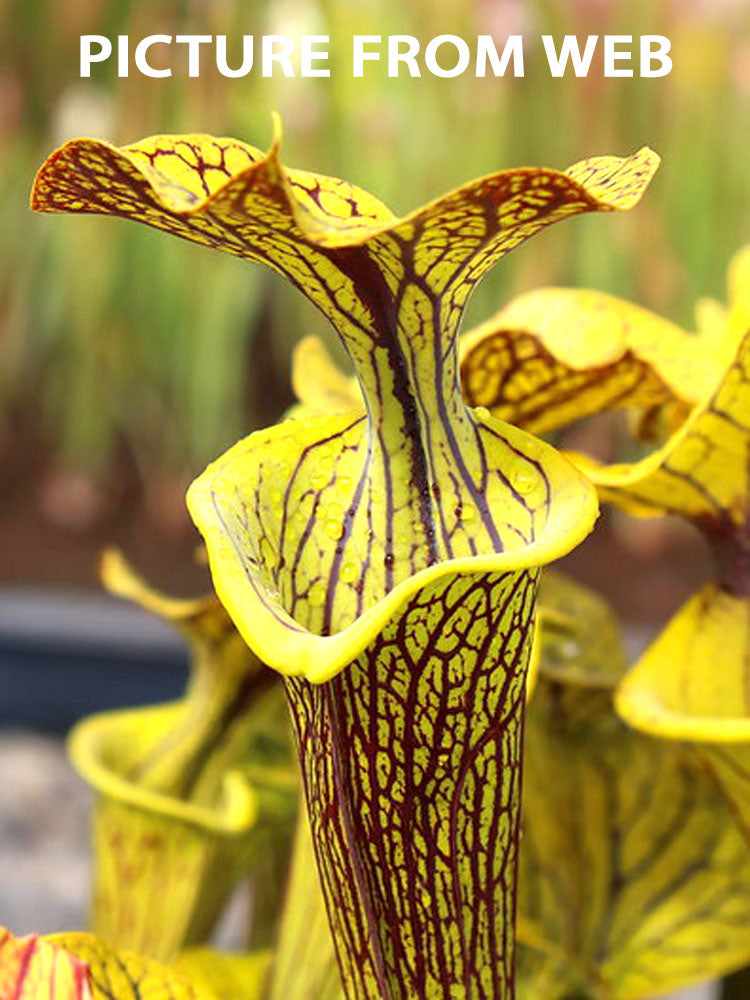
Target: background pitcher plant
[(634, 879), (187, 792), (385, 561), (580, 352)]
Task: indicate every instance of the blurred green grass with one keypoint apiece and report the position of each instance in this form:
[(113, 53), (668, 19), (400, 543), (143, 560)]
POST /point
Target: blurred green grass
[(114, 337)]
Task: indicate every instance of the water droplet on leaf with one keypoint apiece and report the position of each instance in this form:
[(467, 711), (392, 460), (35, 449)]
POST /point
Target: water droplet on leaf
[(333, 528), (523, 480), (349, 572)]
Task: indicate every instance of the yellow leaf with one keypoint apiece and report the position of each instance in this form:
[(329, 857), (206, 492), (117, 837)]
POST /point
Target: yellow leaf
[(304, 965), (34, 969), (225, 976), (691, 685), (541, 976), (124, 975), (701, 472), (226, 194), (394, 289), (579, 638), (319, 385), (556, 355), (633, 875)]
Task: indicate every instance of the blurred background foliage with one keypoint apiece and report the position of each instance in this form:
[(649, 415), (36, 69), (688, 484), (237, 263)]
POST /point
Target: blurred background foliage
[(127, 360)]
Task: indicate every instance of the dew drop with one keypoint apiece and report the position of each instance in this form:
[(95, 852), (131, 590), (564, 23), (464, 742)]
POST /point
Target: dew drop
[(317, 595), (523, 480), (349, 572), (333, 528)]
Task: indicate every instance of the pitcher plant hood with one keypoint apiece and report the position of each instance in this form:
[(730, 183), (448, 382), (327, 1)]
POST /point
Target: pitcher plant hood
[(352, 509), (556, 355)]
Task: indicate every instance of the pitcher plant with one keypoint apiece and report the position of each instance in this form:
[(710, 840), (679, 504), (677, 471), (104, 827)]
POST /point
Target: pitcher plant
[(384, 560), (178, 817), (634, 878), (691, 394)]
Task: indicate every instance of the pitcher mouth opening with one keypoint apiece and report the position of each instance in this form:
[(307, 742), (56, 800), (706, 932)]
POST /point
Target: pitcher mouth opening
[(93, 745), (649, 713), (294, 650), (675, 692)]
